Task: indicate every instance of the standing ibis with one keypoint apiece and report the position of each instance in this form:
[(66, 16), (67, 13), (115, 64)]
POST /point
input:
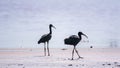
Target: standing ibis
[(45, 39), (74, 40)]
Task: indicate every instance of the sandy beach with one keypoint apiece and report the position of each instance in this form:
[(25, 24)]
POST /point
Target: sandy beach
[(60, 58)]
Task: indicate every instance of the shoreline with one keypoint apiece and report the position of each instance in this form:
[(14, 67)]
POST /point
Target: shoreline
[(60, 58)]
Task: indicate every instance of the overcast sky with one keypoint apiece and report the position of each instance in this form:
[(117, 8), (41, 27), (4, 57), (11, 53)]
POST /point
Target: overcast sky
[(23, 22)]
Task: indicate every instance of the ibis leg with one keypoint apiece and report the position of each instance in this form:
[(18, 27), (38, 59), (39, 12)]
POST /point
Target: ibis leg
[(48, 48), (44, 49), (73, 53), (78, 53)]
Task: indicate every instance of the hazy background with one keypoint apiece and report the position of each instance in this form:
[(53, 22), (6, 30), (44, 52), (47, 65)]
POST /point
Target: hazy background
[(23, 22)]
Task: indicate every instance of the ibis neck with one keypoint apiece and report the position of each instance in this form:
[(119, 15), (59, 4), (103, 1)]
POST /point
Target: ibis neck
[(50, 30), (80, 36)]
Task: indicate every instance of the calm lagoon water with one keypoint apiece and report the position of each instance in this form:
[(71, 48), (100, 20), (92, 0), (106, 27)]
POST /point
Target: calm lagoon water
[(23, 22)]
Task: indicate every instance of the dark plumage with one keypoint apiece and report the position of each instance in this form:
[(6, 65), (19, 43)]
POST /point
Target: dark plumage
[(74, 40), (45, 38)]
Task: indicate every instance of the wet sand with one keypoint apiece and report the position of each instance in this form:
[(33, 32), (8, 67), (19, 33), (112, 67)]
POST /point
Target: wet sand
[(60, 58)]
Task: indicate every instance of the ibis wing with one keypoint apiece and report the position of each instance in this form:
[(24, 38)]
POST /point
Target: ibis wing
[(72, 40), (73, 37), (44, 38)]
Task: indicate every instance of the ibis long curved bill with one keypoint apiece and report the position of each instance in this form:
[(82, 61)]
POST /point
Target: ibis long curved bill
[(85, 35), (54, 27)]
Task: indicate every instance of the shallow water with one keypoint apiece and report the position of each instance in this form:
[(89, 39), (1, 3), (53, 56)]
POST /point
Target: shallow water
[(22, 23)]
